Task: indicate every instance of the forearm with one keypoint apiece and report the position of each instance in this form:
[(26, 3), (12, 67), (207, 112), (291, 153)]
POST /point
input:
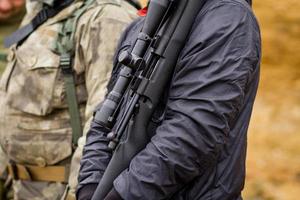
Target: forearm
[(175, 156), (96, 156)]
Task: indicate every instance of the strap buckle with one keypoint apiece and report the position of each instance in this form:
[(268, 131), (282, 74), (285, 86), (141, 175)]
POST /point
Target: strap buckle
[(65, 63), (40, 18), (43, 15)]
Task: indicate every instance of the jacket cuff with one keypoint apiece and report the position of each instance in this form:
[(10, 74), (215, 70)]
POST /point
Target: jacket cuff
[(86, 192)]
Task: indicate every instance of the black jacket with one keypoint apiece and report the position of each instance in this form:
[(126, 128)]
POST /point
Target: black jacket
[(198, 149)]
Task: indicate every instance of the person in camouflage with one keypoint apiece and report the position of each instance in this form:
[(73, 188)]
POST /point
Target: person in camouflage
[(35, 132)]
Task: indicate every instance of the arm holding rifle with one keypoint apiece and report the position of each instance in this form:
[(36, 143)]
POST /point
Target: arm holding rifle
[(207, 113), (207, 94)]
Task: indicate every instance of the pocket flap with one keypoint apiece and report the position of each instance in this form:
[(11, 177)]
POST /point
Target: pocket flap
[(32, 59), (33, 81)]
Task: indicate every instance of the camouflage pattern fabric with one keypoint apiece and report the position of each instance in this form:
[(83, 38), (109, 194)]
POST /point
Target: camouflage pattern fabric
[(34, 120)]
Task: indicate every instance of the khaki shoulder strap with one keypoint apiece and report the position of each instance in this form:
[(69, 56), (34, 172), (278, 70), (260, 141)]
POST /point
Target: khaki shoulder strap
[(65, 46)]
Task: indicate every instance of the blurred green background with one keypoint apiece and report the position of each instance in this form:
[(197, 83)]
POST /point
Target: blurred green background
[(273, 162)]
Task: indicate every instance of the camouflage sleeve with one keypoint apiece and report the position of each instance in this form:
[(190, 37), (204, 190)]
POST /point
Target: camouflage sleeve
[(98, 40)]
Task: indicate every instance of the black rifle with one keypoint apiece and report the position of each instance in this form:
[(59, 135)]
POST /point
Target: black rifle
[(146, 71)]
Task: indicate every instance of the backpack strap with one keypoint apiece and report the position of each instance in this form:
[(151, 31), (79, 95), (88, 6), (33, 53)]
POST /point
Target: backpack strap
[(73, 107), (65, 46), (46, 13)]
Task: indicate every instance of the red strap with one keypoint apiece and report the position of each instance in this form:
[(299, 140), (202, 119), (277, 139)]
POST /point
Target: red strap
[(143, 12)]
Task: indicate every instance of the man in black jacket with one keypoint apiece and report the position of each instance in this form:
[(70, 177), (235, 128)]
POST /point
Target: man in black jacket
[(198, 149)]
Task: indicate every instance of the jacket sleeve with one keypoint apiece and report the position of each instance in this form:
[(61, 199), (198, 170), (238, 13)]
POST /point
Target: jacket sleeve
[(206, 95)]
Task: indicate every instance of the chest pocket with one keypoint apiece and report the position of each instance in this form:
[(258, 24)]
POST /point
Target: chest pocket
[(31, 84)]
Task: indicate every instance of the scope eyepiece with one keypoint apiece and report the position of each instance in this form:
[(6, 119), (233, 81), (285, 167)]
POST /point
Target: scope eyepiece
[(129, 60)]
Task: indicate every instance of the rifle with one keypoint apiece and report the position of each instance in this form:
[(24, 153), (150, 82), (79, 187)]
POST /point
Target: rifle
[(145, 72)]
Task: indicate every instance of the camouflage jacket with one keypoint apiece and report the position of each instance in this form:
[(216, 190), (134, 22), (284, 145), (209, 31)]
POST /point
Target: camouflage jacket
[(34, 119)]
